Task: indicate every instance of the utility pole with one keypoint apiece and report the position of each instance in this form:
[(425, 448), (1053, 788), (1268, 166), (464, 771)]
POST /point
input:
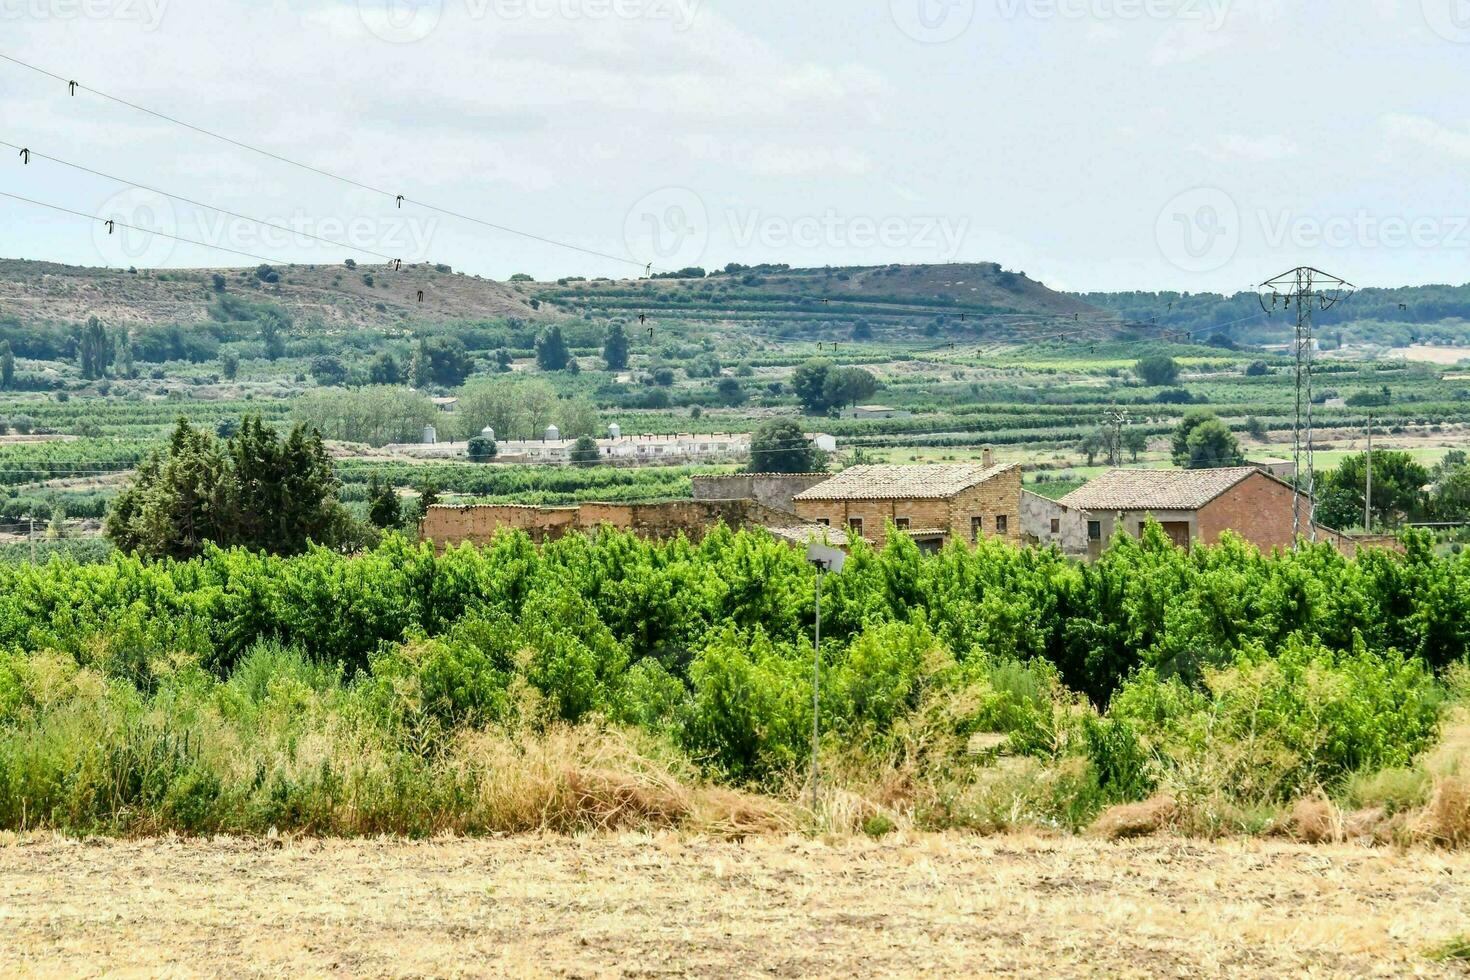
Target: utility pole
[(31, 537), (1304, 288), (1116, 420), (826, 560), (1368, 488)]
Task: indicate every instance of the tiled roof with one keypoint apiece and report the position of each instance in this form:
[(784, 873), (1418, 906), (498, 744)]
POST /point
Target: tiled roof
[(1156, 489), (902, 482)]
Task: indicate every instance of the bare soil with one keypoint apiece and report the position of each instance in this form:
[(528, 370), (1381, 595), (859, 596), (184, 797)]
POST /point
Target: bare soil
[(776, 906)]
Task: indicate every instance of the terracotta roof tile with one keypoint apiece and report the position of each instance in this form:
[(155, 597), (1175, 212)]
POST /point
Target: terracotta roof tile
[(938, 482), (1156, 489)]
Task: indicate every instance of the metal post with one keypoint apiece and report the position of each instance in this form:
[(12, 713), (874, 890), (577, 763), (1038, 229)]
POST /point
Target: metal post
[(1368, 489), (816, 688), (31, 537)]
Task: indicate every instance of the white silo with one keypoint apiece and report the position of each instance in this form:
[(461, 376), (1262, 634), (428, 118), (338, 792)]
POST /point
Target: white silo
[(553, 434), (615, 431)]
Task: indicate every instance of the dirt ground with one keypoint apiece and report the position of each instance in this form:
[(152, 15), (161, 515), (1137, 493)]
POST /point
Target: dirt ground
[(672, 906)]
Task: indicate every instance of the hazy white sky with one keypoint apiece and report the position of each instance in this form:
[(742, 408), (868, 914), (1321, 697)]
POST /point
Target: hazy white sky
[(1094, 144)]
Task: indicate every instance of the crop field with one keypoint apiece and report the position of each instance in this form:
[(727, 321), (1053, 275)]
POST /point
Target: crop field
[(667, 905)]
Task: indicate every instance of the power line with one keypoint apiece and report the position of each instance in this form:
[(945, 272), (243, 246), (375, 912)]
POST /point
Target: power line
[(145, 231), (200, 204), (399, 199)]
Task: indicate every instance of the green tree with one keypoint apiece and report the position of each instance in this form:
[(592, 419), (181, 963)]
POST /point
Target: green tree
[(848, 386), (585, 452), (1159, 371), (1450, 500), (1092, 445), (384, 510), (781, 446), (329, 371), (442, 361), (1211, 445), (615, 348), (124, 356), (552, 353), (256, 491), (385, 370), (428, 497), (809, 383), (482, 449), (229, 365), (1179, 448), (730, 392), (273, 327), (95, 350), (1135, 441), (7, 366), (1398, 490)]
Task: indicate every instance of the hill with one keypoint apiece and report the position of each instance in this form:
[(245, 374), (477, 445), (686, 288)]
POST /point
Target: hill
[(363, 296)]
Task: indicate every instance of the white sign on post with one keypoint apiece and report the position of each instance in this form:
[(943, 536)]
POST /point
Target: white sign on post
[(829, 559)]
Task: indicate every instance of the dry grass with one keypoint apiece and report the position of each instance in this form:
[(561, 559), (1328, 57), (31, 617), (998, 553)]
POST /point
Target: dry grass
[(675, 905), (1136, 819)]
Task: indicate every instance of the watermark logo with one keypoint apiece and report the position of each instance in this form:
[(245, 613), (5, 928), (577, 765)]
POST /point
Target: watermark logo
[(146, 13), (408, 238), (407, 21), (668, 228), (1450, 19), (401, 21), (1199, 230), (940, 237), (933, 21), (123, 235)]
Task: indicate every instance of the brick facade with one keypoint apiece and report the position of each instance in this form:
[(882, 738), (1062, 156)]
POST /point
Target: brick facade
[(995, 504)]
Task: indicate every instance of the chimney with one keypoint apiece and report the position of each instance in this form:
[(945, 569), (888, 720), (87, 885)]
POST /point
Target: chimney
[(989, 456)]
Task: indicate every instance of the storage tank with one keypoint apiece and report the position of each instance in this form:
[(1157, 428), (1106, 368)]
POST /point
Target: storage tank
[(615, 431), (553, 434), (431, 436)]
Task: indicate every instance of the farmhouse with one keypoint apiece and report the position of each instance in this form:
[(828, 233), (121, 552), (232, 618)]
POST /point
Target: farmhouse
[(1193, 506), (931, 504), (1049, 523)]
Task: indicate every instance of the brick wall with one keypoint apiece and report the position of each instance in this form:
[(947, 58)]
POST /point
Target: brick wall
[(773, 490), (455, 525), (448, 526), (1257, 508)]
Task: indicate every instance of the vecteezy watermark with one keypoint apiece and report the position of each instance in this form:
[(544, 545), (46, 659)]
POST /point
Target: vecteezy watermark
[(938, 21), (1199, 230), (936, 236), (933, 21), (1362, 229), (672, 229), (668, 228), (407, 238), (1450, 19), (133, 230), (406, 21), (148, 13)]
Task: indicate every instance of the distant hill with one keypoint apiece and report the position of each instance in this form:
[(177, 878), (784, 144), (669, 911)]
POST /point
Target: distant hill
[(45, 292), (888, 294), (901, 296)]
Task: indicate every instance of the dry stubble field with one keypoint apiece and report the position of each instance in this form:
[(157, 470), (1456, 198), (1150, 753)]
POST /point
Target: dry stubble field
[(672, 905)]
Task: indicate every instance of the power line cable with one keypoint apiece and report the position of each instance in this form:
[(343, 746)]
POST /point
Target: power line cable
[(145, 231), (399, 199), (199, 204)]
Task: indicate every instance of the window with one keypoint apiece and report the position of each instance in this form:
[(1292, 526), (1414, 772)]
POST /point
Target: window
[(824, 522), (902, 523), (1056, 525), (1094, 530), (977, 527), (1002, 523), (856, 524)]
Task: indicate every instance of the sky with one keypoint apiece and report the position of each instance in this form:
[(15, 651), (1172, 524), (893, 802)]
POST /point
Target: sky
[(1194, 145)]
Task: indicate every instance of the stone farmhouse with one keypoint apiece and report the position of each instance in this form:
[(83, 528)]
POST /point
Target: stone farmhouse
[(931, 504)]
